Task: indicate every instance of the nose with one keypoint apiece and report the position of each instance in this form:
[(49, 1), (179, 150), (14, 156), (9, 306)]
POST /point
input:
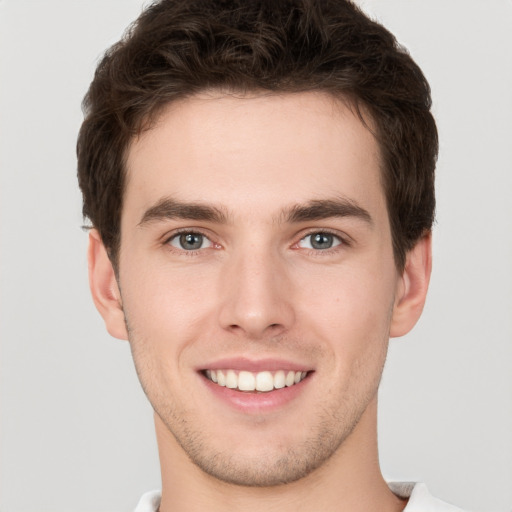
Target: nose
[(257, 295)]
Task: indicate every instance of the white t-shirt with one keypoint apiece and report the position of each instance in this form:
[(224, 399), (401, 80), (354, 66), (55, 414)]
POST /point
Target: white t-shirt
[(420, 500)]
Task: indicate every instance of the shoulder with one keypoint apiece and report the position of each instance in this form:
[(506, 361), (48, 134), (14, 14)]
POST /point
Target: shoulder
[(420, 499), (149, 502)]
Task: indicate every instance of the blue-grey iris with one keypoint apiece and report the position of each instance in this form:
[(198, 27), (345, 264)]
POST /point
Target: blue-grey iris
[(322, 241), (191, 241)]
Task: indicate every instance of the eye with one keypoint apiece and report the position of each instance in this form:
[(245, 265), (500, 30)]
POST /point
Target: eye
[(190, 241), (320, 241)]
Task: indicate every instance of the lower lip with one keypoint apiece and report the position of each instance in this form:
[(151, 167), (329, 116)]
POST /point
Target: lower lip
[(257, 403)]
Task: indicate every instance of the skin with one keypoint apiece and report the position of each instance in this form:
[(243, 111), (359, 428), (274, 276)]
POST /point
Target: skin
[(257, 289)]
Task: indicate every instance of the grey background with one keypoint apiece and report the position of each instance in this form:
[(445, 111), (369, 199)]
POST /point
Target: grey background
[(76, 432)]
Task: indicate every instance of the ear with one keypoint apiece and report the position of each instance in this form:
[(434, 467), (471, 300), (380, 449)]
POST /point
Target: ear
[(104, 288), (412, 287)]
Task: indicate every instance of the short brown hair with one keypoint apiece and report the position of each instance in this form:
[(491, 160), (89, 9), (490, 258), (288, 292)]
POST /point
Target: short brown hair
[(178, 48)]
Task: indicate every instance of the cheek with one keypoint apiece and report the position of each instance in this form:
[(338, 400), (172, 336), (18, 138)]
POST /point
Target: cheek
[(159, 320), (166, 310), (351, 311)]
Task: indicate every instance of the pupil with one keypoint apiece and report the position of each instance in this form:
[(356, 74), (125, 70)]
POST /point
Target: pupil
[(191, 241), (322, 241)]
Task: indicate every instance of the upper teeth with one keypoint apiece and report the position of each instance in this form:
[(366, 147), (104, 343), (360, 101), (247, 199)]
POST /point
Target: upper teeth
[(260, 381)]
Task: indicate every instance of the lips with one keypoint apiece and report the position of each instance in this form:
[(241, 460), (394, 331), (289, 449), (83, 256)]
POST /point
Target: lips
[(262, 381), (256, 386)]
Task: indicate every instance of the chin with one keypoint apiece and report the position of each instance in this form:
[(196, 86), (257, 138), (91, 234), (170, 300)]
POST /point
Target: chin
[(261, 471), (269, 460)]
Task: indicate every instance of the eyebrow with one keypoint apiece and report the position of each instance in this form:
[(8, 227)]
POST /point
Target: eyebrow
[(316, 209), (319, 209), (169, 208)]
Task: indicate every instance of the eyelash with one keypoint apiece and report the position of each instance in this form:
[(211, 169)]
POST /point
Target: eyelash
[(343, 242), (185, 231)]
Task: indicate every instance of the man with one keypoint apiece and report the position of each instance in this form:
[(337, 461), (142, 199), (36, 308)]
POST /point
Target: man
[(260, 181)]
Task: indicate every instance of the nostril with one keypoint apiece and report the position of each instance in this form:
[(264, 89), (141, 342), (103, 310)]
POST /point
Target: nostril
[(270, 329)]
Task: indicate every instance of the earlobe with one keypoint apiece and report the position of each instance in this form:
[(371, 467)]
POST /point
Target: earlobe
[(412, 287), (104, 287)]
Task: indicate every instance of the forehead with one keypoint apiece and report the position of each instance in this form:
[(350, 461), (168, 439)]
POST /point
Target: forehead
[(246, 153)]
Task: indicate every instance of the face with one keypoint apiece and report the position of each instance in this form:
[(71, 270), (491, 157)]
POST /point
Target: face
[(257, 279)]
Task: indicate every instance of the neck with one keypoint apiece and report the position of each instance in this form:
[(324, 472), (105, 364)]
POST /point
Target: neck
[(350, 480)]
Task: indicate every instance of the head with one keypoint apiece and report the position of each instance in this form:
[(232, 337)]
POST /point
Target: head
[(178, 49), (259, 176)]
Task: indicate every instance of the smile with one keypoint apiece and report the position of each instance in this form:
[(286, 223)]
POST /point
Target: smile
[(263, 381)]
